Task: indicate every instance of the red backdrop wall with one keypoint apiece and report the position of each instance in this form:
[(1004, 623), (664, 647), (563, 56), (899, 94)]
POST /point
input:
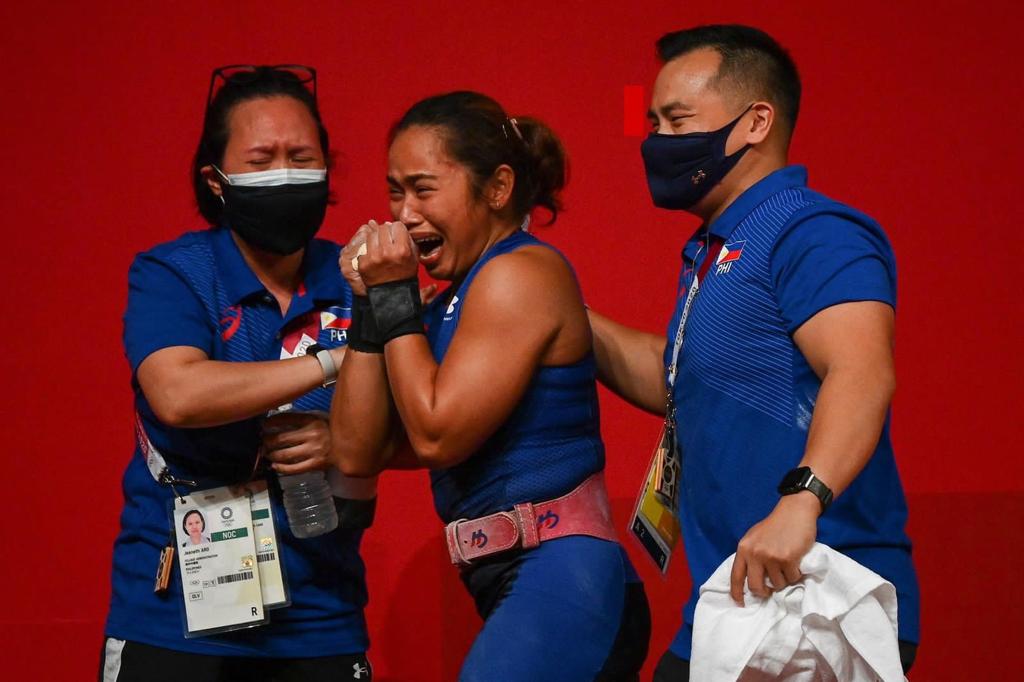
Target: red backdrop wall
[(911, 112)]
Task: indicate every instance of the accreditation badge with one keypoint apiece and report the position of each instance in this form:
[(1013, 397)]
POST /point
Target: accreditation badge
[(220, 576), (654, 523), (273, 584)]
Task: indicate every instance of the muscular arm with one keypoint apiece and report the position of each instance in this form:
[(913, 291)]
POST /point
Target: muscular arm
[(363, 420), (517, 315), (187, 389), (630, 363), (367, 435), (849, 346)]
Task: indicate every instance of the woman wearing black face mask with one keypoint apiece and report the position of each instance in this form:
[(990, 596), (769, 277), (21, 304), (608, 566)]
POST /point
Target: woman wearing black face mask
[(224, 327)]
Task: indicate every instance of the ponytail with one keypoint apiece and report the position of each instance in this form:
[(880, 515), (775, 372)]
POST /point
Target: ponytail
[(479, 135)]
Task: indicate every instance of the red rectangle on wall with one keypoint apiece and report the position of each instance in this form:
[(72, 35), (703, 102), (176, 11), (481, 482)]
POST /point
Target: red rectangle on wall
[(634, 112)]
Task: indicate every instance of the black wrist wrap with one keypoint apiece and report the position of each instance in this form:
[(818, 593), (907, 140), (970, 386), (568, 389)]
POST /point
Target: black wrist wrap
[(397, 309), (363, 335), (355, 513)]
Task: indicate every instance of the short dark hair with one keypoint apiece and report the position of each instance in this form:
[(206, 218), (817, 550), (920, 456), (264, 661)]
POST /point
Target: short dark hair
[(264, 82), (753, 63), (479, 135)]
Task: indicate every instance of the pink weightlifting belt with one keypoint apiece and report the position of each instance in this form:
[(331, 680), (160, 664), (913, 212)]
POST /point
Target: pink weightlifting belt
[(584, 511)]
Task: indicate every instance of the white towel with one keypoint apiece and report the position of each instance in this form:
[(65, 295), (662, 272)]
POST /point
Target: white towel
[(837, 623)]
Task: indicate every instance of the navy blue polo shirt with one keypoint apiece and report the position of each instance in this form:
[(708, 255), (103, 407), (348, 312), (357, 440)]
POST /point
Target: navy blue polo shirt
[(745, 394), (198, 291)]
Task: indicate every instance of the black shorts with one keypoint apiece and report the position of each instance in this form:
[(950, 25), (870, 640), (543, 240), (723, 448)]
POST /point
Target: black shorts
[(122, 661)]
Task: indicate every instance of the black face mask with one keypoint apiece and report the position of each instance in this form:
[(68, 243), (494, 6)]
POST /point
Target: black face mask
[(271, 213), (682, 169)]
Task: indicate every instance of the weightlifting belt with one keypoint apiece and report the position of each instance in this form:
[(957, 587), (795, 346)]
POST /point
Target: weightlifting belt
[(584, 511)]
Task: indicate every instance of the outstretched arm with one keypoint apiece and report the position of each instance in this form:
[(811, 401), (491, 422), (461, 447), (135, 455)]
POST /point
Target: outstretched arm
[(186, 388), (630, 363)]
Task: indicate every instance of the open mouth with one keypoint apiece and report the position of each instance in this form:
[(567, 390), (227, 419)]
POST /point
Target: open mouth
[(428, 245)]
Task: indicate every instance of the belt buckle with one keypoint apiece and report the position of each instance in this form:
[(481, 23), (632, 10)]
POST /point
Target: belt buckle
[(451, 534), (455, 549)]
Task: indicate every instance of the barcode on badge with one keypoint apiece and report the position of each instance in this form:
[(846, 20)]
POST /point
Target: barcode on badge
[(234, 577), (266, 556)]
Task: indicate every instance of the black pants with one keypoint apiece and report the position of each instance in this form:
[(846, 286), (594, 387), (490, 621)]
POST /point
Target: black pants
[(134, 662), (671, 668), (630, 648)]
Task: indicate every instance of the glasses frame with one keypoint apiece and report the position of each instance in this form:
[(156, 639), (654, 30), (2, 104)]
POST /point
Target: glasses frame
[(224, 73)]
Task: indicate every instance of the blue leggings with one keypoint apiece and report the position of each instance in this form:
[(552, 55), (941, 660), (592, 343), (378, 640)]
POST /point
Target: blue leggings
[(555, 612)]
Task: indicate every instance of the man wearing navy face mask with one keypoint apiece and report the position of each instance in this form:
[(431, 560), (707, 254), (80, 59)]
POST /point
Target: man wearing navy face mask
[(778, 365)]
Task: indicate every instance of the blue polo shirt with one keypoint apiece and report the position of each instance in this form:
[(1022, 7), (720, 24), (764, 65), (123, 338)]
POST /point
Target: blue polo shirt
[(198, 291), (745, 394)]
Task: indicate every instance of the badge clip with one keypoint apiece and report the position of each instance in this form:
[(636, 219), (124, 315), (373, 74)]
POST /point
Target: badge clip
[(163, 570), (167, 478)]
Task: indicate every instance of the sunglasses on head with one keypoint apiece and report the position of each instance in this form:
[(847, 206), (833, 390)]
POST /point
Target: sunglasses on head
[(245, 74)]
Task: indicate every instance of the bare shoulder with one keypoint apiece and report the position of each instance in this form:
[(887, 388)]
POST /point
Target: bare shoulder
[(532, 294), (526, 276)]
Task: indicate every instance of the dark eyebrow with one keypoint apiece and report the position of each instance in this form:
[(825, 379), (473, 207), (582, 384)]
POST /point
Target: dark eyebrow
[(666, 109), (269, 148), (410, 179)]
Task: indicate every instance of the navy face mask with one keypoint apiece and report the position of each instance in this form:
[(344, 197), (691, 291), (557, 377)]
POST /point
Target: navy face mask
[(682, 169)]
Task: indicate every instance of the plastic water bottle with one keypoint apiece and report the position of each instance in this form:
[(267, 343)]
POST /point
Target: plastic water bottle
[(309, 504)]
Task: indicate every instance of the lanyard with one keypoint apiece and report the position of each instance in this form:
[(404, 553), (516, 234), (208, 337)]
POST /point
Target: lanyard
[(155, 461), (714, 248)]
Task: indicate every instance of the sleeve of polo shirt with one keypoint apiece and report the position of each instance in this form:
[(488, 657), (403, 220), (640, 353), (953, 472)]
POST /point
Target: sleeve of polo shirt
[(827, 259), (163, 311)]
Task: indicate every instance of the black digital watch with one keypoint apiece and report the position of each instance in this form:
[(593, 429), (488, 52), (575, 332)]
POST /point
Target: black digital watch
[(802, 478)]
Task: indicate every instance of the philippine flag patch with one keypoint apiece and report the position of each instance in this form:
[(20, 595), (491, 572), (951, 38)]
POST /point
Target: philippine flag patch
[(730, 253), (336, 317)]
